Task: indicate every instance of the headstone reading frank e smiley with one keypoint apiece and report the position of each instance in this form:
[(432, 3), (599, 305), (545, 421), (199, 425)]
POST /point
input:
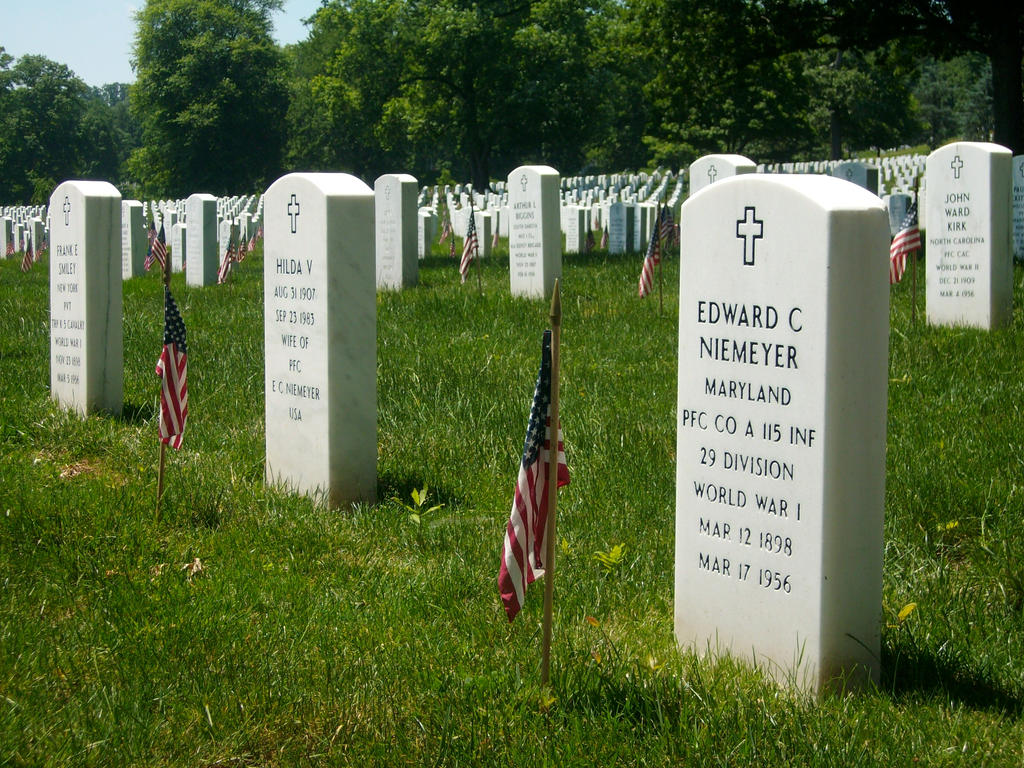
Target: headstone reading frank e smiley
[(969, 267), (781, 418), (86, 327), (320, 336)]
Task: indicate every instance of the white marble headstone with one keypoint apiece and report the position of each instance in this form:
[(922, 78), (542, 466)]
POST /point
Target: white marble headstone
[(320, 336), (781, 419), (535, 238), (201, 257), (1018, 207), (969, 267), (179, 242), (134, 240), (861, 174), (711, 168), (86, 327), (395, 216), (616, 228)]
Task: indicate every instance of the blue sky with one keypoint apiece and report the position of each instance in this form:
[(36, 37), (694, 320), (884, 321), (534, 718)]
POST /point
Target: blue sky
[(94, 37)]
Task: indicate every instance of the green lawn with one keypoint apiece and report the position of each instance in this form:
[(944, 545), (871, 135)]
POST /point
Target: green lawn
[(248, 627)]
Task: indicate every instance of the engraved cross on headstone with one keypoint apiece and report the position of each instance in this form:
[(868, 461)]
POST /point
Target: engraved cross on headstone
[(956, 165), (294, 214), (750, 229), (523, 182), (712, 173), (67, 210)]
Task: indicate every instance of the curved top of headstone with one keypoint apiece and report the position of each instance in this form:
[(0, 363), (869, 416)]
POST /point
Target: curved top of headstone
[(402, 177), (976, 146), (827, 192), (201, 196), (90, 188), (540, 170), (739, 160), (328, 183)]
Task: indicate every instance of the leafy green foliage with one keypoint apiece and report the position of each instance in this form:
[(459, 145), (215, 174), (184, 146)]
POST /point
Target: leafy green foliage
[(210, 96)]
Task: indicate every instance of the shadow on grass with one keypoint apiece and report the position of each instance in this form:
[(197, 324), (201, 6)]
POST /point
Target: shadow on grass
[(390, 486), (132, 413), (907, 669)]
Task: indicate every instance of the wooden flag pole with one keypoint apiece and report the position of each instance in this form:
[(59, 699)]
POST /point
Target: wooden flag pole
[(913, 268), (661, 258), (549, 555), (163, 445)]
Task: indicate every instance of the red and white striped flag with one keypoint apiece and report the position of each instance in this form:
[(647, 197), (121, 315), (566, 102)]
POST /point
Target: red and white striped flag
[(652, 258), (225, 264), (604, 238), (494, 239), (470, 247), (524, 547), (157, 250), (172, 368), (150, 256), (446, 227), (29, 258), (907, 240)]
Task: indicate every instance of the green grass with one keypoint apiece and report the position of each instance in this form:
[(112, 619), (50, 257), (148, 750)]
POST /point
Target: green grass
[(325, 637)]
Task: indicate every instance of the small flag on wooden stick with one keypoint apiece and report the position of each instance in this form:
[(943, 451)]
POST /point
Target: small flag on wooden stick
[(524, 552)]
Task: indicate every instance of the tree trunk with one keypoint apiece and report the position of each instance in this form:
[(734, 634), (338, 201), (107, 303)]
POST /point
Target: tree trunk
[(1007, 91)]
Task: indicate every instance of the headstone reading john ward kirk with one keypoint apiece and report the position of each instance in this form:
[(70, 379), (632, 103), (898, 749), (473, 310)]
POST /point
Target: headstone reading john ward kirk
[(321, 336), (783, 345)]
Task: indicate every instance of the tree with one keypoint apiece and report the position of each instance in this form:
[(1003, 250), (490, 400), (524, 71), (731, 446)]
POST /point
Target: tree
[(949, 28), (40, 140), (210, 96), (419, 83)]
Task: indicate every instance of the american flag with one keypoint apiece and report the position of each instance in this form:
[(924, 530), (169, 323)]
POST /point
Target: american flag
[(10, 245), (667, 224), (907, 240), (469, 247), (157, 250), (446, 227), (251, 245), (494, 239), (28, 259), (225, 265), (150, 256), (588, 246), (523, 550), (171, 368), (652, 258), (604, 238)]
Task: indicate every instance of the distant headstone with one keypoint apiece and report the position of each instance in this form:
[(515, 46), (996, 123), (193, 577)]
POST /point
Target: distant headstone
[(227, 237), (86, 327), (969, 268), (133, 239), (395, 216), (711, 168), (861, 174), (575, 228), (1018, 207), (616, 228), (320, 336), (426, 222), (201, 257), (179, 241), (781, 420), (897, 206), (6, 237), (535, 239)]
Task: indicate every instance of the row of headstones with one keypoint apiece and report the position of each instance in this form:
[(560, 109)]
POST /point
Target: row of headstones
[(19, 226), (782, 373), (200, 230)]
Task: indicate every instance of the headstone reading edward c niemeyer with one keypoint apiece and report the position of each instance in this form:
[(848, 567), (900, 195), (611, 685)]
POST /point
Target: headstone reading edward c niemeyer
[(86, 328), (781, 417), (969, 267), (321, 336), (535, 235), (395, 216)]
